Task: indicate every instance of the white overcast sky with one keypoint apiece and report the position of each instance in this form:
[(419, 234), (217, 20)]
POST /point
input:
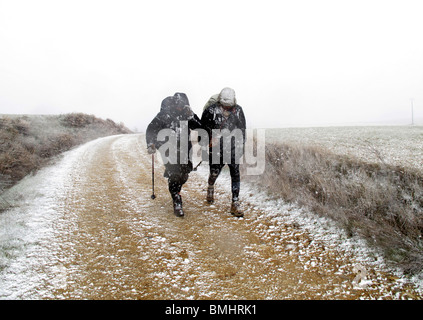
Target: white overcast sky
[(298, 63)]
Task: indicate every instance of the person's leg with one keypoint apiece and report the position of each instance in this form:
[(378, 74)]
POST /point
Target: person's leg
[(215, 170), (177, 176), (235, 180), (175, 189), (236, 185)]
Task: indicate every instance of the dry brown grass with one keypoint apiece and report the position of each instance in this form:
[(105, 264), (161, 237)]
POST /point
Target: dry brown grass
[(28, 142), (382, 203)]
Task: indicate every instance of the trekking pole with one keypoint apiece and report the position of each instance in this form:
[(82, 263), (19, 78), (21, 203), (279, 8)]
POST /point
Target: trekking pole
[(152, 175), (196, 167)]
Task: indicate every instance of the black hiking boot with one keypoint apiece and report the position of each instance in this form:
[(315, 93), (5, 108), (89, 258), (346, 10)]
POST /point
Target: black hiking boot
[(210, 194), (235, 210), (177, 206)]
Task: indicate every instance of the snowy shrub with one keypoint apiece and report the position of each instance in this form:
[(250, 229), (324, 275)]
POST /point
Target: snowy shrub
[(28, 142), (77, 120), (383, 203)]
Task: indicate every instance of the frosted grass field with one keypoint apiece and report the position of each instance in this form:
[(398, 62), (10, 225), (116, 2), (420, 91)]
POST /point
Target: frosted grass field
[(393, 145)]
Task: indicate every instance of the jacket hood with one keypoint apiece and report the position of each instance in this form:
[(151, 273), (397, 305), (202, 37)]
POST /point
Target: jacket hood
[(171, 104), (167, 104), (181, 99)]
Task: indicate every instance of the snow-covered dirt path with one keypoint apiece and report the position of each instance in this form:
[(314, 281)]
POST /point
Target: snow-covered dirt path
[(86, 228)]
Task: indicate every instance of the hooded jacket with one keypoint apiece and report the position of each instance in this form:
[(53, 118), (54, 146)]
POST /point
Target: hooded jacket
[(218, 117), (172, 112)]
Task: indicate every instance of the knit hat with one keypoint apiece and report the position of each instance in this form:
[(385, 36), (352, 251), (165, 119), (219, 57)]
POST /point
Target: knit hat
[(227, 97)]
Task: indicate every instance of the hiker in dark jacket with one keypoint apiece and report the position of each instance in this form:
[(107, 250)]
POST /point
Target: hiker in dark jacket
[(224, 120), (178, 118)]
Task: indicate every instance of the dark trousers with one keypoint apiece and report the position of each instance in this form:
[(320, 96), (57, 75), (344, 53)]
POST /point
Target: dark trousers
[(215, 170), (177, 175)]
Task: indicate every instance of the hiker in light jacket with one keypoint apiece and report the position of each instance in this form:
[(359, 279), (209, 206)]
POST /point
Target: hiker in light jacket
[(225, 118), (175, 112)]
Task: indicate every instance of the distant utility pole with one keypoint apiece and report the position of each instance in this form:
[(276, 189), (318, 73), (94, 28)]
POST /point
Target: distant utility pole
[(412, 111)]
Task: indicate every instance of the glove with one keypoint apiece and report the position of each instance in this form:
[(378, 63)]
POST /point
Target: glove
[(151, 149)]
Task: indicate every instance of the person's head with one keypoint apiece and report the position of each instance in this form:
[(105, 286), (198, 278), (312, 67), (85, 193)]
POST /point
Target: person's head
[(227, 97)]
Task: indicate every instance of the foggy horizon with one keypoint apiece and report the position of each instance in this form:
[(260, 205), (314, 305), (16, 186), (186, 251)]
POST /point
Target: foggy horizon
[(302, 63)]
